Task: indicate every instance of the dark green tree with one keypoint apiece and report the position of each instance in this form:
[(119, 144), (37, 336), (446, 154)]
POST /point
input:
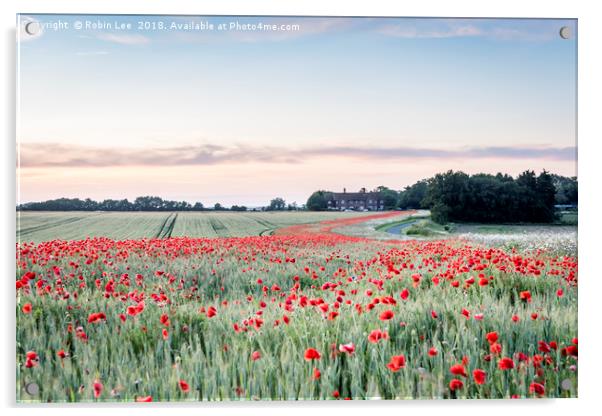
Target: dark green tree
[(412, 197), (318, 201), (527, 210), (447, 196), (276, 204), (389, 196), (566, 190), (546, 197)]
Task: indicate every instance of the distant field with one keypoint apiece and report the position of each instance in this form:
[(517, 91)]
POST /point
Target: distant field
[(44, 226)]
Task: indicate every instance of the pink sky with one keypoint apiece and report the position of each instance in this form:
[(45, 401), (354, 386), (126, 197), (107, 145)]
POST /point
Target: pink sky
[(240, 118), (255, 183)]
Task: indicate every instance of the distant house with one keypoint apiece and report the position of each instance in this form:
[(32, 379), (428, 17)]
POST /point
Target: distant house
[(356, 201)]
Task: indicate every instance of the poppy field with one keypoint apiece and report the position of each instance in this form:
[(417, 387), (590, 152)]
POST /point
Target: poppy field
[(304, 314)]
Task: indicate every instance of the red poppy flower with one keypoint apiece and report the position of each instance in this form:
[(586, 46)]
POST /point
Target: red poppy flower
[(433, 351), (376, 335), (26, 308), (211, 312), (455, 384), (140, 307), (521, 356), (479, 376), (97, 387), (537, 388), (311, 354), (397, 362), (515, 318), (571, 350), (405, 294), (505, 363), (434, 314), (458, 370), (492, 337), (317, 374), (525, 296), (81, 334), (31, 359), (164, 334), (96, 317), (466, 313), (255, 355), (543, 346), (164, 320), (184, 386), (144, 399), (348, 348), (495, 348), (61, 354), (386, 315)]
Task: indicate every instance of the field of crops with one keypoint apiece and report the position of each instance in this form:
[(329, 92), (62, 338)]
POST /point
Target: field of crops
[(311, 315), (45, 226)]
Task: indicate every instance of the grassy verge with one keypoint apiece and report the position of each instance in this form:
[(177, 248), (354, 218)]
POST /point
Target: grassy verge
[(427, 228), (568, 218)]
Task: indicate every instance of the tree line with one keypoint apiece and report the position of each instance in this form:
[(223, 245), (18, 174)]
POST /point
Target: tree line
[(142, 203), (145, 203), (457, 196)]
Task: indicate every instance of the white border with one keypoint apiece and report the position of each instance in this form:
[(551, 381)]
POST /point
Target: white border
[(590, 35)]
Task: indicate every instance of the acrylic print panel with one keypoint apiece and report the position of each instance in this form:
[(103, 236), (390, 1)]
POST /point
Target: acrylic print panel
[(286, 208)]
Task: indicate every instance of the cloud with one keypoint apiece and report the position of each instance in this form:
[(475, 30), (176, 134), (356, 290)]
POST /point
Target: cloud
[(33, 155), (124, 39), (496, 29), (92, 53), (410, 32)]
